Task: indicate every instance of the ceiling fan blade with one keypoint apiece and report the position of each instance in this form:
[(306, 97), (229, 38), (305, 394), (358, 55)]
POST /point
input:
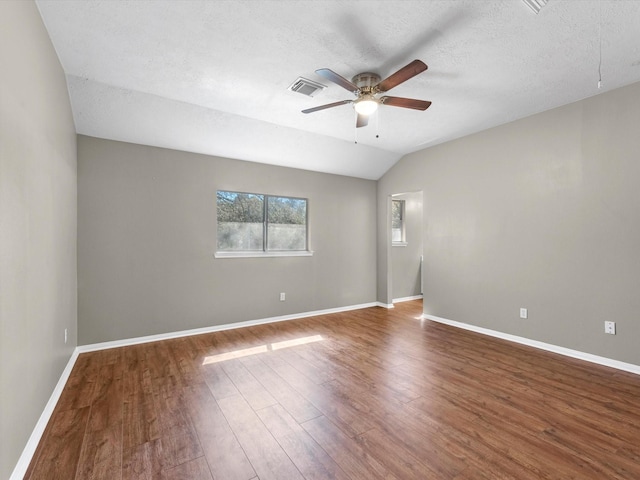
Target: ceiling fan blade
[(328, 105), (406, 102), (337, 79), (402, 75), (362, 121)]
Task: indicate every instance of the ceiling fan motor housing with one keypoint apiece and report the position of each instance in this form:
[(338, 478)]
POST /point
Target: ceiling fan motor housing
[(366, 81)]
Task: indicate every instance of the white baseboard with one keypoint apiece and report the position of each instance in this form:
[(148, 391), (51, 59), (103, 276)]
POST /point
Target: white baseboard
[(407, 299), (216, 328), (384, 305), (30, 449), (588, 357)]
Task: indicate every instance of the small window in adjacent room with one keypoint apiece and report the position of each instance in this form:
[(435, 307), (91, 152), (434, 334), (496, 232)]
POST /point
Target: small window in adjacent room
[(256, 225), (397, 223)]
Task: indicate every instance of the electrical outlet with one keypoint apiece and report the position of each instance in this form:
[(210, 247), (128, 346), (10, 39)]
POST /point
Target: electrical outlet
[(65, 335), (610, 328), (282, 296), (524, 313)]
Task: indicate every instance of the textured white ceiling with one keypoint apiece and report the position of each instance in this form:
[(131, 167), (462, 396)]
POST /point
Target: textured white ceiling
[(212, 76)]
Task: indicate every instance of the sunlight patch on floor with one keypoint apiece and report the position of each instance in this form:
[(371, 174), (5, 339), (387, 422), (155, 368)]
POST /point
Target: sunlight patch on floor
[(245, 352)]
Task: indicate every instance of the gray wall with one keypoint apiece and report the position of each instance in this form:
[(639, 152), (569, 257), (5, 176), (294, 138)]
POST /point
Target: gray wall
[(37, 225), (405, 260), (540, 213), (147, 234)]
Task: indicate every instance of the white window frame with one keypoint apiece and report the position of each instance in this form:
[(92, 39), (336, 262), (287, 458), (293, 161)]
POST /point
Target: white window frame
[(306, 252)]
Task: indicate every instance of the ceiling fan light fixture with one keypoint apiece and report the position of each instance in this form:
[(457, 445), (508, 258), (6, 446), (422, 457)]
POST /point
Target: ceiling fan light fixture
[(366, 104)]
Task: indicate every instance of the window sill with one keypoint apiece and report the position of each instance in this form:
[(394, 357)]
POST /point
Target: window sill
[(399, 244), (297, 253)]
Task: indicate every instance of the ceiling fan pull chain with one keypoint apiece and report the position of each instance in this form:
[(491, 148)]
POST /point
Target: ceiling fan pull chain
[(355, 130), (600, 45)]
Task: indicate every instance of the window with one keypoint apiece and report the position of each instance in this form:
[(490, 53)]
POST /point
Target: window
[(397, 222), (251, 224)]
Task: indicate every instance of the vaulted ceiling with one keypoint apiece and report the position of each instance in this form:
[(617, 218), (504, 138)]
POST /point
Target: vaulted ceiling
[(212, 77)]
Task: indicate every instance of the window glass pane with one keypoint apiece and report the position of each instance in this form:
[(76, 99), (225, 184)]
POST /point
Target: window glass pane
[(240, 221), (286, 223), (396, 213), (397, 220)]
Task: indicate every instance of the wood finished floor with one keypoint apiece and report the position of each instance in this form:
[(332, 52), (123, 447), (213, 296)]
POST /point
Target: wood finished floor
[(381, 395)]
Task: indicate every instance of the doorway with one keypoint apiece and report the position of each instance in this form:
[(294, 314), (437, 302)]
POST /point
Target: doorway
[(406, 246)]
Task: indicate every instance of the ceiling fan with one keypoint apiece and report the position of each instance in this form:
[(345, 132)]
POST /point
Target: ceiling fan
[(366, 86)]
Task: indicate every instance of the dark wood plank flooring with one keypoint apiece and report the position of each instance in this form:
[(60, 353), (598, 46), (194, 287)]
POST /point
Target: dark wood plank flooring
[(367, 394)]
